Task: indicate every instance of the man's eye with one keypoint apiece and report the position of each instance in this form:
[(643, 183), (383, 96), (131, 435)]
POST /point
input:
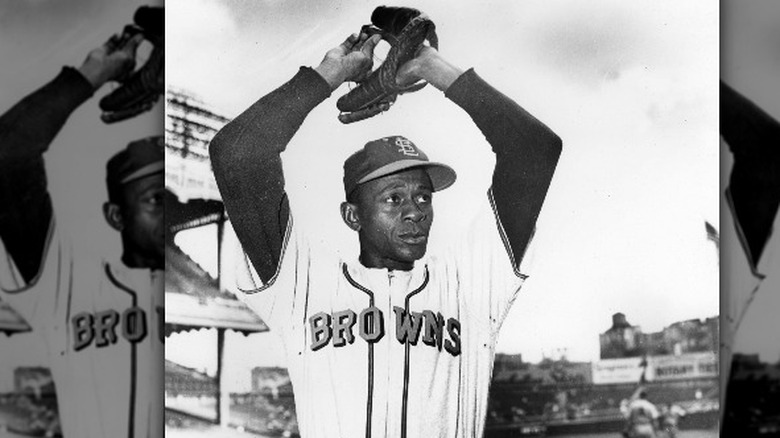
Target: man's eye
[(393, 199), (426, 198), (156, 199)]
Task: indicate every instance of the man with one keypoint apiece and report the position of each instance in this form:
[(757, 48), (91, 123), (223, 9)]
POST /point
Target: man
[(641, 415), (750, 204), (101, 319), (670, 419), (400, 342)]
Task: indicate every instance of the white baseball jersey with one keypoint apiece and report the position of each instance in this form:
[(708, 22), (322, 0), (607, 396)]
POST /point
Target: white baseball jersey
[(642, 410), (378, 353), (103, 325)]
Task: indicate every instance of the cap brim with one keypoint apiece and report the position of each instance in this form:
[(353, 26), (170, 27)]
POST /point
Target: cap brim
[(442, 175), (157, 166)]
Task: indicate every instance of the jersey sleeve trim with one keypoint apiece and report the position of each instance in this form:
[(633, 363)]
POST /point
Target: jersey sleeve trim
[(41, 266), (742, 239), (282, 255), (505, 239)]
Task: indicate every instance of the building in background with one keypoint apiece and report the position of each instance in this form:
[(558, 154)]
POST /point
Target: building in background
[(189, 127), (560, 397), (682, 350), (624, 340), (621, 340), (188, 382), (511, 369), (271, 380), (195, 299)]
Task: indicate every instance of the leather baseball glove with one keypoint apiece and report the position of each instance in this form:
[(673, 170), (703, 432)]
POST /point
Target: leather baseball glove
[(406, 30), (140, 90)]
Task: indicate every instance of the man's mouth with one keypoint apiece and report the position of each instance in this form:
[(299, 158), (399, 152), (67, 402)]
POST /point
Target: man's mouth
[(414, 238)]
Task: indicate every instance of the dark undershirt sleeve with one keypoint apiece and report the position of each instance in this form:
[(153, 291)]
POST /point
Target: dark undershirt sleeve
[(245, 157), (754, 184), (26, 131), (526, 152)]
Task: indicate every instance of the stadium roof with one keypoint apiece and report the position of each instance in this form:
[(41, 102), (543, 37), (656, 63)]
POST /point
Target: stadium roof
[(193, 299)]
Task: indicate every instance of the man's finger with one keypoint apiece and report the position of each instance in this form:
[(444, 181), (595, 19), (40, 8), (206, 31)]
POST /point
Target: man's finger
[(350, 42), (113, 42), (370, 44), (132, 43)]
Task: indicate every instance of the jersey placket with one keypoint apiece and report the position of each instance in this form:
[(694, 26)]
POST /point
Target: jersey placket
[(400, 290), (395, 355), (388, 362), (380, 359)]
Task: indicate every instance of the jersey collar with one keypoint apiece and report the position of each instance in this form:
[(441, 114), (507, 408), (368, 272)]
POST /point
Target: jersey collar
[(377, 279)]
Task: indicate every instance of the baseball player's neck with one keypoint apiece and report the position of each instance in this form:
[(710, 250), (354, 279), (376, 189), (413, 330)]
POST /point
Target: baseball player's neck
[(133, 259), (376, 261)]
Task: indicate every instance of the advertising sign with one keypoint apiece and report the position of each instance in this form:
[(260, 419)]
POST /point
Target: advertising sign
[(659, 368), (685, 366), (623, 370)]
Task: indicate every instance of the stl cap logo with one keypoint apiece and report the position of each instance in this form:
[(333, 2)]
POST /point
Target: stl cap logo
[(405, 147)]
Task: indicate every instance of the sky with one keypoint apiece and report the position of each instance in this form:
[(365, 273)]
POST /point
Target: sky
[(630, 87), (38, 38)]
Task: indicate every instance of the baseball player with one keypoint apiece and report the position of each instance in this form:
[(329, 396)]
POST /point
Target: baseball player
[(400, 341), (101, 319), (750, 208), (642, 416), (670, 419)]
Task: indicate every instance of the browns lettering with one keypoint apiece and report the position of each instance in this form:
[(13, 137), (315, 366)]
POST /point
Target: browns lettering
[(104, 328), (338, 328)]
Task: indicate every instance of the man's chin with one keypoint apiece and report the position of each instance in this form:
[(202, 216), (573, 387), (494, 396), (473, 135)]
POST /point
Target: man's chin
[(413, 253)]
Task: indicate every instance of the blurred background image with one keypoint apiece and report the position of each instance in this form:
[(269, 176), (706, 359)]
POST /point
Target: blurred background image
[(37, 39), (750, 175)]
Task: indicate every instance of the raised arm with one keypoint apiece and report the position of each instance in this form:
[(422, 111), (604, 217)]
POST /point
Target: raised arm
[(27, 130), (245, 153), (754, 186), (526, 150)]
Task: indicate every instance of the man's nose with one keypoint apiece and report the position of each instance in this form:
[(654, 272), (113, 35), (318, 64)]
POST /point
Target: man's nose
[(413, 211)]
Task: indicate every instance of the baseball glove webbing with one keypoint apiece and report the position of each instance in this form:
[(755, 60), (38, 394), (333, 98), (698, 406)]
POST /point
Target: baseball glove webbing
[(140, 90), (406, 30)]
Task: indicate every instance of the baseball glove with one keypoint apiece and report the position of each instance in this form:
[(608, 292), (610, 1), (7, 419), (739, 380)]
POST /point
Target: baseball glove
[(140, 90), (406, 30)]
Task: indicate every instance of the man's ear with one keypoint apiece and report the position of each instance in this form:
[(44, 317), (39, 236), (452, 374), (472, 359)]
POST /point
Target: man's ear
[(113, 215), (350, 215)]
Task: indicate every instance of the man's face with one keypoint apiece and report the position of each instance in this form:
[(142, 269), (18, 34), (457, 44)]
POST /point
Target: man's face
[(395, 214), (142, 213)]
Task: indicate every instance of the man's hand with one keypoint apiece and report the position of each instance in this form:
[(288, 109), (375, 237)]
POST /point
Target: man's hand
[(430, 66), (352, 60), (111, 61)]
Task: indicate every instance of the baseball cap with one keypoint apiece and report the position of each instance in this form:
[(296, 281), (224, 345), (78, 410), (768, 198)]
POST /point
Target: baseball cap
[(140, 158), (389, 155)]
